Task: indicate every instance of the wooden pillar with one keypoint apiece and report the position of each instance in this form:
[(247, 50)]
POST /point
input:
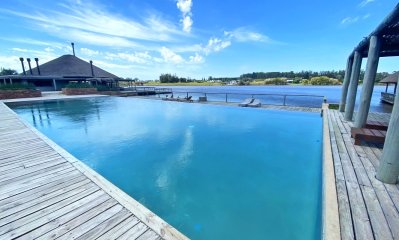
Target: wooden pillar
[(350, 106), (388, 171), (345, 84), (54, 85), (368, 81)]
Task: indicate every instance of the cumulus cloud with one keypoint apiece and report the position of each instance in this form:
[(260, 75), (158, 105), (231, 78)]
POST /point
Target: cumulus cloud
[(185, 8), (215, 45), (170, 57), (196, 58)]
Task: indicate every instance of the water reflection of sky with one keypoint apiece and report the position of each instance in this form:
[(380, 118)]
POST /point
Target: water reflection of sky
[(186, 162)]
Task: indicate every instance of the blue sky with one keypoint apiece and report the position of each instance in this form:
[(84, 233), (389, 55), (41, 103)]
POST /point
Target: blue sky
[(191, 38)]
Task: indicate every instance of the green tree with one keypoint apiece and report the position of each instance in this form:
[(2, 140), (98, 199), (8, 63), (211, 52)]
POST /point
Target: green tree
[(9, 71)]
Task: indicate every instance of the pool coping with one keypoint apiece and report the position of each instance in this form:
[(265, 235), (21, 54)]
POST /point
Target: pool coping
[(330, 213), (331, 225), (153, 221)]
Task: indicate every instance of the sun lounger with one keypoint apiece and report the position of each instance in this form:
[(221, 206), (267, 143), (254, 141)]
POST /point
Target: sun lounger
[(255, 103), (377, 125), (368, 135), (186, 99), (246, 102)]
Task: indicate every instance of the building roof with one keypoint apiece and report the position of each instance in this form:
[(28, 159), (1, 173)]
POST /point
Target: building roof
[(391, 78), (388, 31), (68, 66)]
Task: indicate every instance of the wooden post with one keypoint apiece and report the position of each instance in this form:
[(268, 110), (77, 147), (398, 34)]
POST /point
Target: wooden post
[(388, 171), (345, 84), (354, 80), (54, 85), (368, 82)]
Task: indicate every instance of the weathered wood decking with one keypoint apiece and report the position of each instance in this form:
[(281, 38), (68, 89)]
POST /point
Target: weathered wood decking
[(45, 193), (368, 209)]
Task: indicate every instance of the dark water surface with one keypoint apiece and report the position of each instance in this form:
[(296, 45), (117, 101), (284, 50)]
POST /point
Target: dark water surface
[(332, 93)]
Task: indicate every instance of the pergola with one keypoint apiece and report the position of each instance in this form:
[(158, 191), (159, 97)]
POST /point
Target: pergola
[(382, 42)]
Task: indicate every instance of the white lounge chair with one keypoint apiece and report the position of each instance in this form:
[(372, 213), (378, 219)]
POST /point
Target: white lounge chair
[(255, 103), (246, 102)]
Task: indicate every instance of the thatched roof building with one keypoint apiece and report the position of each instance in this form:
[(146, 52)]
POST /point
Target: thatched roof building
[(57, 73), (391, 78), (70, 66)]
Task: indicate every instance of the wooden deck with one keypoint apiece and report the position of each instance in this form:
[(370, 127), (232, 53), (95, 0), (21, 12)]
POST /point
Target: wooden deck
[(368, 209), (45, 193)]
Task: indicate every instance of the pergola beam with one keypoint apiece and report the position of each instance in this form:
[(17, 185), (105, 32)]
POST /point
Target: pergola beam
[(368, 82)]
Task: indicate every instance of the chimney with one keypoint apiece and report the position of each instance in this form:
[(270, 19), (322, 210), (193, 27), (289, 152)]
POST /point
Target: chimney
[(30, 68), (91, 66), (73, 48), (37, 65), (22, 63)]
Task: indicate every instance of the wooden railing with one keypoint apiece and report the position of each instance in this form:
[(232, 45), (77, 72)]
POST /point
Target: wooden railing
[(388, 97)]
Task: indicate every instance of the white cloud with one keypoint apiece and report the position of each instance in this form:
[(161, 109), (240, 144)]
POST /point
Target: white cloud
[(215, 45), (170, 57), (136, 57), (349, 20), (245, 35), (366, 16), (89, 52), (196, 58), (20, 49), (93, 21), (187, 23), (49, 49), (185, 8), (365, 2)]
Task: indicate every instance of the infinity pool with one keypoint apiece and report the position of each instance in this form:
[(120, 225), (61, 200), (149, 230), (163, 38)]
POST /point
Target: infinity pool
[(213, 172)]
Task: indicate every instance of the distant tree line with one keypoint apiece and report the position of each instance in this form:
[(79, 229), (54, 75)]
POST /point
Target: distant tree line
[(306, 75), (169, 78)]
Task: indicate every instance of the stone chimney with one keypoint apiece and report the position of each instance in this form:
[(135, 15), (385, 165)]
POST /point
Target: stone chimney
[(37, 65), (73, 48), (22, 64), (30, 68), (91, 66)]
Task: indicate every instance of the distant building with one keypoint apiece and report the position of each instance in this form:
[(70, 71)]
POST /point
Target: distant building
[(57, 73)]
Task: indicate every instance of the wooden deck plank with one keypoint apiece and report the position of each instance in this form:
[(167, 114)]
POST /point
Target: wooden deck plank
[(134, 232), (50, 197), (370, 205), (106, 225), (45, 193), (120, 229), (58, 226), (88, 225)]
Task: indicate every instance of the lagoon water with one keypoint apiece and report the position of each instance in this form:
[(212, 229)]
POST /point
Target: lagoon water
[(332, 93), (213, 172)]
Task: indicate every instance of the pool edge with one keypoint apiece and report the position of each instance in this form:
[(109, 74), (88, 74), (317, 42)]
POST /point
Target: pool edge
[(331, 224), (157, 224)]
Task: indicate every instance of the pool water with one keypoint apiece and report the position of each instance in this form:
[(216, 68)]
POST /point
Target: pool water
[(213, 172)]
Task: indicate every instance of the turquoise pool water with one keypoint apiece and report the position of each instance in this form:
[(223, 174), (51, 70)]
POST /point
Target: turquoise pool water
[(213, 172)]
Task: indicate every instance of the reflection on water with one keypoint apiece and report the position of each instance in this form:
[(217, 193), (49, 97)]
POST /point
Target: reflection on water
[(202, 168)]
